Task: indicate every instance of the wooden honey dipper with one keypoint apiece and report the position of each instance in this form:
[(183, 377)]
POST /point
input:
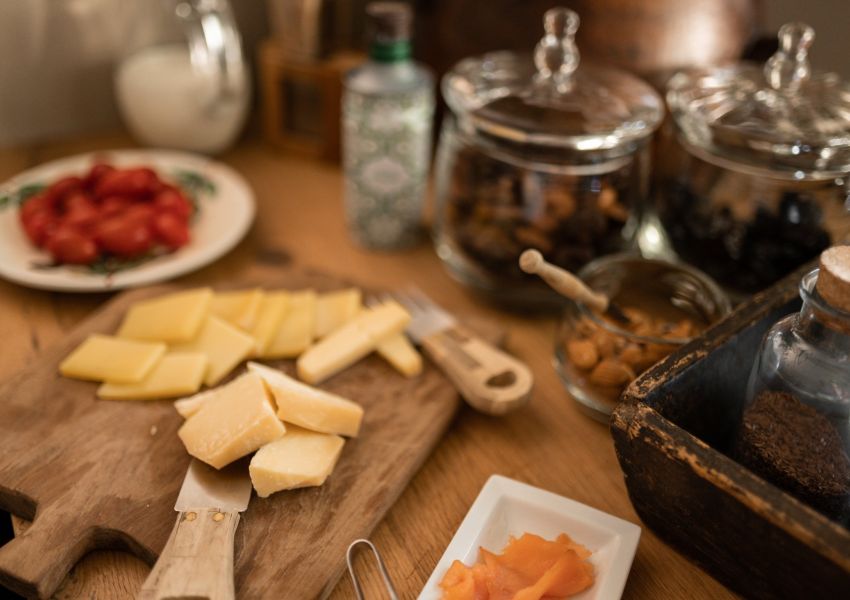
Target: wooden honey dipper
[(570, 286)]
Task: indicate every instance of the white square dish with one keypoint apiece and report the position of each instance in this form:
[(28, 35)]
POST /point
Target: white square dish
[(507, 508)]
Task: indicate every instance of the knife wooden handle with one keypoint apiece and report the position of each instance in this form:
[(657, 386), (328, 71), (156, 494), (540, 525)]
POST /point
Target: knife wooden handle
[(490, 380), (197, 561)]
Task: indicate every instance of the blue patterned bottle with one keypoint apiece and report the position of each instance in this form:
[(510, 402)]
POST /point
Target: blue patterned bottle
[(387, 114)]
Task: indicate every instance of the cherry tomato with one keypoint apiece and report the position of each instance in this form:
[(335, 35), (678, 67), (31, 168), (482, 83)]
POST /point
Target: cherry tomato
[(40, 226), (171, 230), (141, 212), (112, 205), (80, 211), (63, 187), (124, 237), (171, 200), (71, 246), (96, 173), (136, 183), (34, 204)]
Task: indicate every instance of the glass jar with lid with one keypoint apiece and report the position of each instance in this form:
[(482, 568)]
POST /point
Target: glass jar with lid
[(762, 185), (540, 152), (795, 428)]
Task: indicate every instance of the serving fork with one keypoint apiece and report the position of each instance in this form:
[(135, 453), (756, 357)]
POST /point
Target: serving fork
[(489, 379)]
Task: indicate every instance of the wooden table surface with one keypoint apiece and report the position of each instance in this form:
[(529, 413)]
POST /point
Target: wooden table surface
[(549, 444)]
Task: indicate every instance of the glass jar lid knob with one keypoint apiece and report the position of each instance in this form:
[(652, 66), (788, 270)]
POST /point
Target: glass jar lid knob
[(789, 67), (556, 55)]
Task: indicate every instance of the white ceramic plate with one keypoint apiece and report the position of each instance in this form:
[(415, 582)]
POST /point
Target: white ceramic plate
[(226, 210), (507, 508)]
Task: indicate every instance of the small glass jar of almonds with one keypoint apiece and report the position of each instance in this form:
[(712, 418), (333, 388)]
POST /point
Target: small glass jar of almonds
[(667, 305)]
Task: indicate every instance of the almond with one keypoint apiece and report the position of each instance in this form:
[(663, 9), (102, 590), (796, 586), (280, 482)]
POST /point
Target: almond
[(582, 353), (611, 373)]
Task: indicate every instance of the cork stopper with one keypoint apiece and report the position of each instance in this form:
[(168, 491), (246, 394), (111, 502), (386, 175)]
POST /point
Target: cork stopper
[(391, 21), (834, 277)]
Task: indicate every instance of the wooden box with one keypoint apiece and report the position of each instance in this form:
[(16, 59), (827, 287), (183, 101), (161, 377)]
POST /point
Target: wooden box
[(672, 433)]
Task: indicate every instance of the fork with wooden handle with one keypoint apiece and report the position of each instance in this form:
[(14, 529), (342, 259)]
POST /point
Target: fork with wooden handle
[(489, 379)]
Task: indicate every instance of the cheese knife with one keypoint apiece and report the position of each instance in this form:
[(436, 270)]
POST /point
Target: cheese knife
[(197, 561), (490, 380)]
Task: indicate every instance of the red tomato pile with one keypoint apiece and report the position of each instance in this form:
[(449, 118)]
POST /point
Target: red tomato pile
[(123, 213)]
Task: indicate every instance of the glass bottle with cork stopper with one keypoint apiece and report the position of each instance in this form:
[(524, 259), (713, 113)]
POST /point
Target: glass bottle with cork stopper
[(387, 112), (795, 429)]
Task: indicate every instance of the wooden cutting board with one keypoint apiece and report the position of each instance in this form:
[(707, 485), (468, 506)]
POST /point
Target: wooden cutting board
[(95, 474)]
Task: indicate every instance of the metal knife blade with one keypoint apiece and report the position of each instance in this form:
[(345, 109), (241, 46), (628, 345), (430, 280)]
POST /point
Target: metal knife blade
[(227, 489)]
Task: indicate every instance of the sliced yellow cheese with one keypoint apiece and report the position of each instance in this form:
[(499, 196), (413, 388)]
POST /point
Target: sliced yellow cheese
[(224, 345), (297, 326), (301, 458), (239, 307), (309, 407), (238, 419), (108, 358), (352, 341), (170, 318), (268, 320), (176, 374), (189, 406), (334, 309), (400, 353)]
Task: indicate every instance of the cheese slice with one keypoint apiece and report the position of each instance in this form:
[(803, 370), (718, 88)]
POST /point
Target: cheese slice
[(176, 374), (189, 406), (297, 326), (301, 458), (268, 320), (400, 353), (238, 419), (170, 318), (352, 341), (108, 358), (309, 407), (239, 308), (224, 345), (334, 309)]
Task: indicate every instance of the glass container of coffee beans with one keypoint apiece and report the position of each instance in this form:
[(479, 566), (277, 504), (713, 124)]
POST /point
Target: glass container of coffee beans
[(795, 428), (666, 305), (540, 152), (763, 184)]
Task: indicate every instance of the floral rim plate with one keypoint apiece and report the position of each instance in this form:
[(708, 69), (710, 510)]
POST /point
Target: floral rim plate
[(507, 508), (225, 210)]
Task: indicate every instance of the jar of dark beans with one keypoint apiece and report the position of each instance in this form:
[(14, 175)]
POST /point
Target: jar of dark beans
[(763, 184), (795, 426), (540, 152)]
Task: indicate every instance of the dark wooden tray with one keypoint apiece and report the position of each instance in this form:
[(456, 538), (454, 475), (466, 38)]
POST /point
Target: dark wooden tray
[(672, 432)]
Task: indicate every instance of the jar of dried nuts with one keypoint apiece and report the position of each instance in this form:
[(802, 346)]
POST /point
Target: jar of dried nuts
[(667, 305), (539, 153)]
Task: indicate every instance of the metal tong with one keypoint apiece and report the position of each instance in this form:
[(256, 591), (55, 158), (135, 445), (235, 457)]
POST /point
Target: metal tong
[(349, 559)]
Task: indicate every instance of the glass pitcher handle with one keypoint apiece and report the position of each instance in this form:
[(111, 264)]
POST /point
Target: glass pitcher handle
[(214, 41)]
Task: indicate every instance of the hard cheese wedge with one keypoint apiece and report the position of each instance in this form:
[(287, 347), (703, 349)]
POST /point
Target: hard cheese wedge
[(309, 407), (170, 318), (334, 309), (268, 321), (295, 333), (176, 374), (224, 345), (301, 458), (400, 353), (107, 358), (352, 341), (189, 406), (238, 419), (239, 308)]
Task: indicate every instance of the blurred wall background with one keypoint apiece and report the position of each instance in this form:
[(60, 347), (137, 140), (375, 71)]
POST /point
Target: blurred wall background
[(58, 56)]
